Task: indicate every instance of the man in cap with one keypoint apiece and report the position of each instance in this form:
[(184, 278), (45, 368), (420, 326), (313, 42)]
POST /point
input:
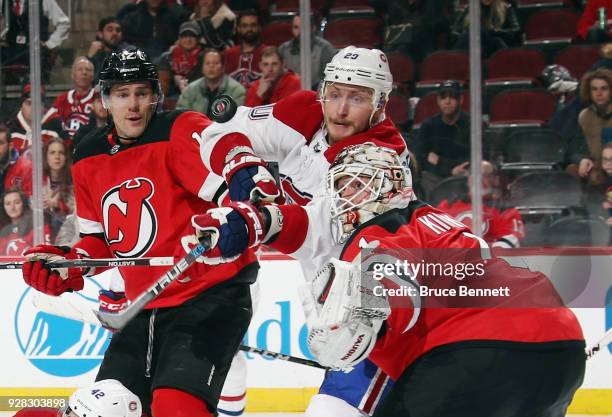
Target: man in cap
[(442, 146)]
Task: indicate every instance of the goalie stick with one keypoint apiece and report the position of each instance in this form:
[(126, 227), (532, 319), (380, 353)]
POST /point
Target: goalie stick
[(119, 320), (71, 307), (98, 263)]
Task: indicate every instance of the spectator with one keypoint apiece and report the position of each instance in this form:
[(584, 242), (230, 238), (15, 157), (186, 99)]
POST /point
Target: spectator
[(73, 107), (500, 27), (58, 198), (589, 28), (97, 118), (153, 26), (183, 62), (21, 132), (108, 39), (275, 82), (16, 51), (15, 171), (415, 27), (442, 146), (217, 23), (17, 235), (321, 51), (500, 228), (241, 60), (200, 94), (595, 121)]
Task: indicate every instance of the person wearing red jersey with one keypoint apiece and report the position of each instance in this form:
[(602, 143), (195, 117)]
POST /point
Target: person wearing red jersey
[(15, 170), (500, 228), (20, 125), (275, 82), (137, 182), (519, 355), (241, 61), (106, 398), (303, 133), (74, 106), (17, 234)]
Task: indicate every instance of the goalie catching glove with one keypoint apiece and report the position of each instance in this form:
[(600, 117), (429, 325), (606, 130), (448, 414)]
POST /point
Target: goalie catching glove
[(248, 178), (232, 230), (343, 314), (39, 274)]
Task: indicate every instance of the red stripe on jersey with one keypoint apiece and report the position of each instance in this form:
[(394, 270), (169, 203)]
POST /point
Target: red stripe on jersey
[(294, 232), (233, 397), (223, 147), (374, 395)]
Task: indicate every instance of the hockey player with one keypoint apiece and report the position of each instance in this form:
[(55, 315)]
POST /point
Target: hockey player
[(501, 228), (507, 358), (303, 133), (106, 398), (137, 182)]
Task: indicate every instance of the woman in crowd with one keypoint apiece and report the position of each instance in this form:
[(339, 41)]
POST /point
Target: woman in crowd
[(58, 198), (17, 234)]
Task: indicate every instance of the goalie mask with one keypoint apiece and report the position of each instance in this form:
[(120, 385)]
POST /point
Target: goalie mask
[(362, 67), (105, 398), (364, 181)]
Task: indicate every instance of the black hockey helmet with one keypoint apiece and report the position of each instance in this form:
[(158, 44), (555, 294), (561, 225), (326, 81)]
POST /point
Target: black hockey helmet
[(128, 66)]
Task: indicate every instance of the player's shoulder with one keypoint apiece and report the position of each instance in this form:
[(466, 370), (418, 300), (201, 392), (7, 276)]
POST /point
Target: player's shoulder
[(301, 111), (93, 143)]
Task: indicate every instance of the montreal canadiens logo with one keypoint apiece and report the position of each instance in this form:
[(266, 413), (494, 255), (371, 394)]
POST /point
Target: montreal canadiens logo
[(130, 223)]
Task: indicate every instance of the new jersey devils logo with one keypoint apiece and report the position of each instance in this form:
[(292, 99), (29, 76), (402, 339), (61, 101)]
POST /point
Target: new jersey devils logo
[(130, 224)]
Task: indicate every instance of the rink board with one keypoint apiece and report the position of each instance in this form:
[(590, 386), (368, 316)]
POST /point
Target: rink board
[(43, 356)]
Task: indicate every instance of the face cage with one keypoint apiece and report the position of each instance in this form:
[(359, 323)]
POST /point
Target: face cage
[(341, 206), (155, 86)]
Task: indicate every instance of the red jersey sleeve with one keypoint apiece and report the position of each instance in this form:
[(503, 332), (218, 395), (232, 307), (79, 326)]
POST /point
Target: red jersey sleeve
[(507, 228)]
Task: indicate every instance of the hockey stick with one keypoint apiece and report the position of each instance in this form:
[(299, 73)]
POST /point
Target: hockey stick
[(70, 307), (96, 263), (275, 355), (600, 345), (119, 320)]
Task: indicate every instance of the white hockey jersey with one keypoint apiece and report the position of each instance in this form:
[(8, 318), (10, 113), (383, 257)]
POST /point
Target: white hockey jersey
[(291, 133)]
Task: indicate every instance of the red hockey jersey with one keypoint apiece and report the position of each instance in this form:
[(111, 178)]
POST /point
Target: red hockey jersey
[(140, 198), (37, 412), (411, 332), (13, 243), (502, 229), (74, 109), (21, 132)]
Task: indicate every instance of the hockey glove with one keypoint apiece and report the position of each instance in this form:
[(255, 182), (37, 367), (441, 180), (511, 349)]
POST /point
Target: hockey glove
[(249, 179), (38, 274), (232, 230), (111, 301)]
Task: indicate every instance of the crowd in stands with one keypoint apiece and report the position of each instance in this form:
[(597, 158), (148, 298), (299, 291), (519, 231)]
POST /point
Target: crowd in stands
[(547, 104)]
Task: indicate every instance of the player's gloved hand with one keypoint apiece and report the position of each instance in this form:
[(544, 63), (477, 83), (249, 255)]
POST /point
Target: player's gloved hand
[(249, 179), (38, 273), (111, 301), (232, 230)]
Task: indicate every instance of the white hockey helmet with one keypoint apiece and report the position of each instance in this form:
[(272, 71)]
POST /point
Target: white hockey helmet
[(363, 181), (105, 398), (363, 67)]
